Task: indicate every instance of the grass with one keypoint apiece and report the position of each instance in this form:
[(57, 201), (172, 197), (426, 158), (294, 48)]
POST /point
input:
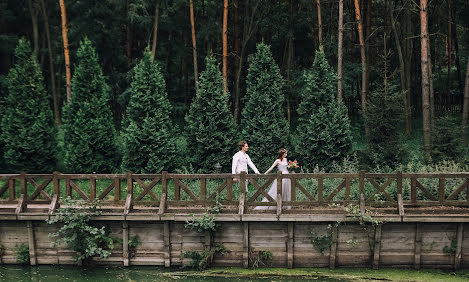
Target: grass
[(353, 274)]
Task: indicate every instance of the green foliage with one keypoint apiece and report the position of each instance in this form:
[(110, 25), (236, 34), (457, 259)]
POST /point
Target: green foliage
[(446, 139), (209, 123), (260, 258), (89, 134), (22, 254), (28, 131), (451, 249), (206, 222), (384, 116), (324, 134), (362, 218), (134, 242), (323, 242), (77, 232), (263, 121), (203, 259), (148, 134)]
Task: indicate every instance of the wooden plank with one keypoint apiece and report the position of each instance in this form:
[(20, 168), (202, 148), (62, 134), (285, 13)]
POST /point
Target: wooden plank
[(381, 189), (130, 184), (413, 190), (459, 241), (68, 188), (125, 243), (458, 190), (441, 190), (32, 243), (218, 191), (163, 201), (418, 245), (362, 203), (92, 188), (377, 247), (11, 189), (229, 189), (361, 177), (279, 204), (245, 244), (78, 190), (337, 190), (203, 189), (167, 244), (347, 188), (147, 189), (241, 203), (400, 205), (117, 189), (290, 246), (187, 190), (425, 191), (333, 249), (320, 189), (24, 191), (128, 204), (261, 190), (21, 205), (399, 182), (56, 184), (53, 205)]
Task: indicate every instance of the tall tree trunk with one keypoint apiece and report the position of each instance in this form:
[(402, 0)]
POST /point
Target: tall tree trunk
[(368, 32), (128, 35), (33, 11), (402, 74), (55, 97), (155, 29), (425, 79), (456, 53), (465, 108), (430, 82), (66, 50), (225, 46), (364, 67), (318, 3), (249, 26), (194, 50), (450, 48), (339, 50), (408, 57)]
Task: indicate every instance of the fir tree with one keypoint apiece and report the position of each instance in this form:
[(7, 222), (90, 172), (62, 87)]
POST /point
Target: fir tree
[(3, 93), (148, 142), (209, 123), (88, 129), (384, 117), (324, 134), (263, 121), (28, 131)]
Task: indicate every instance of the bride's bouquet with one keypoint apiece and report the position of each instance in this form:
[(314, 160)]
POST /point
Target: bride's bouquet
[(292, 166)]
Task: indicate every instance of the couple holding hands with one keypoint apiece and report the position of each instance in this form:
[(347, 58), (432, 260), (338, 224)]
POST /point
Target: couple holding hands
[(240, 163)]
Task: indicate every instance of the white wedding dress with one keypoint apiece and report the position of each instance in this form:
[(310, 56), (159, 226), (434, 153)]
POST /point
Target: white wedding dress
[(286, 187)]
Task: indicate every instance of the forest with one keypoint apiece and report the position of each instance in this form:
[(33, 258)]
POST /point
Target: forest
[(150, 85)]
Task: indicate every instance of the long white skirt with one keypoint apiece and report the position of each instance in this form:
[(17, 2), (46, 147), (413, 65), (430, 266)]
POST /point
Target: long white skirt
[(286, 194)]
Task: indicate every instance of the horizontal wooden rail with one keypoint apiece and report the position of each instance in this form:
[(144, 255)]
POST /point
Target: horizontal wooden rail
[(169, 191)]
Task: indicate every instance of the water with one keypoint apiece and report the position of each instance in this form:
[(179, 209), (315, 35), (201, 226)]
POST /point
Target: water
[(135, 273)]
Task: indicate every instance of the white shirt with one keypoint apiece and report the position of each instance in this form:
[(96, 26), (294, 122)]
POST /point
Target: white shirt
[(240, 163)]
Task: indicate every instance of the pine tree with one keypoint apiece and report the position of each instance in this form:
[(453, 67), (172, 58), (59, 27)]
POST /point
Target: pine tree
[(209, 123), (263, 120), (88, 129), (385, 118), (28, 131), (3, 93), (148, 142), (324, 134)]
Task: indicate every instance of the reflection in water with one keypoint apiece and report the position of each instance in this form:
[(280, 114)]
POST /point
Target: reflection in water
[(134, 273)]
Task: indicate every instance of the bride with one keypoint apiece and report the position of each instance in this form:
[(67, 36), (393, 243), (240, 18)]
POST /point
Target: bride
[(281, 163)]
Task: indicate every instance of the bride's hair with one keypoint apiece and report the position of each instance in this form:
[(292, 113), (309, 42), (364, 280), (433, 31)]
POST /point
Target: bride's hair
[(280, 153)]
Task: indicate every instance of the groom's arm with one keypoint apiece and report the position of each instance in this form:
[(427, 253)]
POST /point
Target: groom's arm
[(252, 166)]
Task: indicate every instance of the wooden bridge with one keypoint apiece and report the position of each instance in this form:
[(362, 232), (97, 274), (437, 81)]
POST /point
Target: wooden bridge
[(422, 214)]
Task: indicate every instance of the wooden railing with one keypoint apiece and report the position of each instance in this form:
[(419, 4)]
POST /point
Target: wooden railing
[(166, 191)]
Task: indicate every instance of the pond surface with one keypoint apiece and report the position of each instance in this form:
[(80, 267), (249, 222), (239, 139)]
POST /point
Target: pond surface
[(134, 273)]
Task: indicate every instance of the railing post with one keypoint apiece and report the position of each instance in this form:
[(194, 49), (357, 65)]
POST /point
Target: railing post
[(242, 190), (130, 186), (56, 183), (92, 188), (320, 188), (68, 188), (164, 192), (229, 189), (117, 189), (361, 176), (441, 190), (203, 189), (279, 192), (11, 189), (399, 182), (413, 190), (24, 191)]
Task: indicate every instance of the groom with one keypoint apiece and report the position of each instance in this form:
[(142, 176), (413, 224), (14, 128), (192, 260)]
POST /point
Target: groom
[(241, 160)]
